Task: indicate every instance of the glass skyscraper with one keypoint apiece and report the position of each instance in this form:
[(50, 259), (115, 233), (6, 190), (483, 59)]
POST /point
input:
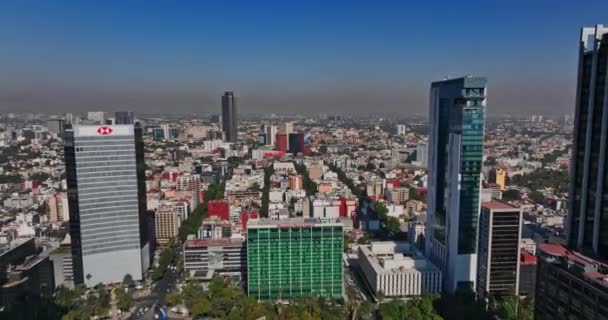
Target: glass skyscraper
[(294, 258), (106, 195), (457, 113), (229, 117), (588, 200), (571, 282), (123, 117)]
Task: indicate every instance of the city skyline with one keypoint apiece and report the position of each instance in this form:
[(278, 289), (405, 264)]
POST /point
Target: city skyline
[(285, 57)]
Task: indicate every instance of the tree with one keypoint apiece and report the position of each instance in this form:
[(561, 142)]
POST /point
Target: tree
[(40, 176), (88, 277), (201, 307), (124, 300), (68, 298), (365, 311), (393, 225), (255, 187), (462, 304), (127, 281), (512, 308), (381, 211), (10, 178), (511, 194), (536, 196), (391, 311), (173, 298), (490, 161)]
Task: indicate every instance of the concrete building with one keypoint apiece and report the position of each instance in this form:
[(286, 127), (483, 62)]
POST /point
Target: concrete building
[(191, 182), (25, 271), (294, 258), (206, 258), (569, 285), (457, 116), (375, 188), (55, 126), (63, 269), (295, 182), (218, 208), (167, 224), (107, 200), (398, 195), (97, 117), (527, 274), (213, 228), (270, 132), (398, 269), (499, 250), (501, 178), (58, 207), (422, 154), (315, 172), (401, 129), (285, 129)]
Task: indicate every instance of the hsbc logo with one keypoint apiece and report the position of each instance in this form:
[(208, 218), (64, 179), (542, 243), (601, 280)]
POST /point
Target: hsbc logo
[(104, 131)]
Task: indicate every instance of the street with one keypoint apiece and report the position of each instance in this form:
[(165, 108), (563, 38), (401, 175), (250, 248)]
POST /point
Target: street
[(156, 296)]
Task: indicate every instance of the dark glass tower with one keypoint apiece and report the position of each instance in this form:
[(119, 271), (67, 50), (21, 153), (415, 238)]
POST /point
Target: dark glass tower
[(123, 117), (296, 142), (229, 119), (588, 206)]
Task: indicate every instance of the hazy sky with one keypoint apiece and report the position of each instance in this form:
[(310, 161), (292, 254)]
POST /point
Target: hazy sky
[(287, 56)]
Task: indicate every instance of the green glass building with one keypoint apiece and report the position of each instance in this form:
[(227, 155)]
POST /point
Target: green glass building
[(456, 121), (294, 258)]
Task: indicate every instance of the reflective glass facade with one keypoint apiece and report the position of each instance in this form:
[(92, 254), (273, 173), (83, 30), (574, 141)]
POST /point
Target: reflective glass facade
[(294, 261), (455, 155), (588, 211)]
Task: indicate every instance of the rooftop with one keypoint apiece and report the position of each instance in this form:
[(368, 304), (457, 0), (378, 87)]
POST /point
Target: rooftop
[(213, 242), (591, 269), (497, 205), (395, 257), (293, 223)]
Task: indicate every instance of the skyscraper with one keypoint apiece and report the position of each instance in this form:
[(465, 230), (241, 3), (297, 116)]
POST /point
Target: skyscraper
[(271, 132), (422, 153), (107, 199), (571, 282), (588, 198), (229, 117), (123, 117), (499, 250), (98, 117), (457, 112), (296, 142)]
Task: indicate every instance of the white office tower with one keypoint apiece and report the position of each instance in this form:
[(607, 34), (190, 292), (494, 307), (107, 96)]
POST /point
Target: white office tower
[(96, 116), (455, 160), (401, 129), (166, 129), (106, 195), (271, 134)]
